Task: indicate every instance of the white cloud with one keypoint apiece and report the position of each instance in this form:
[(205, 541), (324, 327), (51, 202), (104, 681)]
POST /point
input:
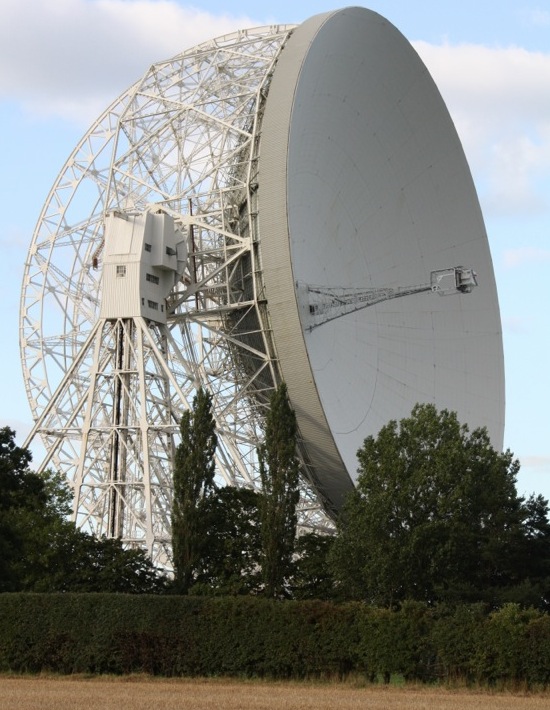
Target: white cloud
[(484, 80), (22, 429), (12, 239), (515, 163), (72, 57), (525, 255), (500, 104), (534, 476), (538, 17), (519, 325), (539, 463)]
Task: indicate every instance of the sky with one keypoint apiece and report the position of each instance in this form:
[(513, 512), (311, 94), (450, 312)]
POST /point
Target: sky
[(63, 62)]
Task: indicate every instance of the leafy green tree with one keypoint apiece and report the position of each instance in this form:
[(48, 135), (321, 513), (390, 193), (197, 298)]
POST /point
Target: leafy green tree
[(231, 559), (32, 509), (530, 556), (193, 484), (435, 515), (312, 576), (279, 471), (42, 551), (82, 563), (15, 481)]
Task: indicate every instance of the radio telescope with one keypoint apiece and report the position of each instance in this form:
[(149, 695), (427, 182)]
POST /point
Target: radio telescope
[(281, 203)]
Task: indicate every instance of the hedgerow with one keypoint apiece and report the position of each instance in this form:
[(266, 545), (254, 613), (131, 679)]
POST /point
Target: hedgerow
[(256, 637)]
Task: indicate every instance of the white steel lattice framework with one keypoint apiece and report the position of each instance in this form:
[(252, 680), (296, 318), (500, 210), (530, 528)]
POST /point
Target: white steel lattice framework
[(107, 392)]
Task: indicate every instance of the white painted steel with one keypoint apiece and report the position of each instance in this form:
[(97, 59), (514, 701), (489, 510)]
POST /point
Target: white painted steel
[(139, 265), (107, 389), (364, 184), (318, 155)]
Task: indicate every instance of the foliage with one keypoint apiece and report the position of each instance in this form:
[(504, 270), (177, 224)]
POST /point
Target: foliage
[(174, 635), (23, 496), (79, 562), (231, 557), (436, 517), (312, 577), (279, 471), (530, 557), (33, 509), (193, 483), (41, 551), (17, 483)]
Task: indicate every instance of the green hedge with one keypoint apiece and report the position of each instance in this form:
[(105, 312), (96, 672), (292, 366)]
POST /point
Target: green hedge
[(248, 636)]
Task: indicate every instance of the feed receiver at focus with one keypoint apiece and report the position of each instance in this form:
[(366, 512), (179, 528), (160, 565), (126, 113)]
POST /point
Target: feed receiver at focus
[(325, 303)]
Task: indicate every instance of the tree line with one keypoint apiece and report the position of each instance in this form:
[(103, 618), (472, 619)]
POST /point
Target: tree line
[(42, 551), (435, 517), (235, 540)]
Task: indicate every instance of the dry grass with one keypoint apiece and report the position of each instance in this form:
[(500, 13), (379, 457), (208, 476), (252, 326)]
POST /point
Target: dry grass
[(53, 693)]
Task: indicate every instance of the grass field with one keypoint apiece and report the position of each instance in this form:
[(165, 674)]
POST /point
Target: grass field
[(54, 693)]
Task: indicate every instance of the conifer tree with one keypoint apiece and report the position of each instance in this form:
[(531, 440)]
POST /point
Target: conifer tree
[(193, 484), (279, 471)]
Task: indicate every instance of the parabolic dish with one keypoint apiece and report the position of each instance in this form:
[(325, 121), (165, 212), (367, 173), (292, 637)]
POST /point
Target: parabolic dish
[(364, 183)]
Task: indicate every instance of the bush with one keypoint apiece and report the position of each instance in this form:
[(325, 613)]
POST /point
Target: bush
[(252, 636)]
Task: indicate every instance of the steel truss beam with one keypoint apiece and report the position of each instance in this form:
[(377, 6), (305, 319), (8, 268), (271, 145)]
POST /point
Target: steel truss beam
[(107, 395)]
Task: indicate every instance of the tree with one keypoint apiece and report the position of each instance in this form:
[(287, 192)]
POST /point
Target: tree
[(82, 563), (42, 551), (231, 559), (312, 577), (530, 556), (435, 515), (279, 471), (32, 509), (193, 483)]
